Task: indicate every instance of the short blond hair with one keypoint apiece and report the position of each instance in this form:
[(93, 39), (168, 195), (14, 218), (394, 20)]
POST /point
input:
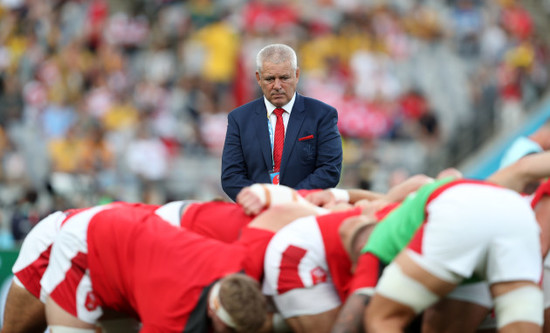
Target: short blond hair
[(243, 300)]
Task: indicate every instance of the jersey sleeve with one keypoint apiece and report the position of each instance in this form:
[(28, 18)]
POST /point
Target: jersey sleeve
[(542, 190), (384, 211), (367, 272)]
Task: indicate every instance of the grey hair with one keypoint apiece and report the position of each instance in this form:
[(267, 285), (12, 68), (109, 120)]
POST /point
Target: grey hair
[(276, 53)]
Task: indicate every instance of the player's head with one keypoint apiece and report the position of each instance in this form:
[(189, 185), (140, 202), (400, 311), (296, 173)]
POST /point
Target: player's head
[(354, 233), (236, 304)]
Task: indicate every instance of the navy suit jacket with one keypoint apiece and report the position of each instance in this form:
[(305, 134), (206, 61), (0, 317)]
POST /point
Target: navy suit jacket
[(312, 153)]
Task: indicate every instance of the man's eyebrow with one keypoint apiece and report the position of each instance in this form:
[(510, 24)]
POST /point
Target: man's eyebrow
[(279, 76)]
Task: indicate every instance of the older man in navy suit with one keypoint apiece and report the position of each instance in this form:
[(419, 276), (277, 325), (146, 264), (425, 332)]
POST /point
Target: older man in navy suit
[(283, 137)]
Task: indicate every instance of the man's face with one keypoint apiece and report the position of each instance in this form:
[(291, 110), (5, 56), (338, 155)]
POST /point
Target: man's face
[(278, 82)]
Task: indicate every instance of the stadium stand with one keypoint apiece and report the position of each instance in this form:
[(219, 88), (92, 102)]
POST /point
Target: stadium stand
[(104, 100)]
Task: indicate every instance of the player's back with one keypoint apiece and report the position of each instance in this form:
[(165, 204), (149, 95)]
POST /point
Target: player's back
[(138, 261), (216, 219)]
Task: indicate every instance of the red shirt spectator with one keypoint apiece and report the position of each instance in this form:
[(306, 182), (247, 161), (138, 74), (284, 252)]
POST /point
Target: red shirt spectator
[(264, 16), (517, 21)]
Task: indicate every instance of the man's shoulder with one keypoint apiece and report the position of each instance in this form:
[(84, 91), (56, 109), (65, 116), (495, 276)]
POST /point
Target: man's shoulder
[(245, 108)]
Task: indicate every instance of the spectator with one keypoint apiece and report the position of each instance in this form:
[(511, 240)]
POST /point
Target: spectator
[(147, 160), (57, 119), (516, 20), (25, 215), (467, 23), (122, 115), (66, 152), (98, 160)]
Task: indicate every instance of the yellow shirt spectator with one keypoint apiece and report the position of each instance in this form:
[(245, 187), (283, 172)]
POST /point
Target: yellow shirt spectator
[(221, 44), (122, 115), (65, 154)]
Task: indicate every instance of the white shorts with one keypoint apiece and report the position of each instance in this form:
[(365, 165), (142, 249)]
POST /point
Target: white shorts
[(296, 270), (483, 230), (34, 254), (476, 292), (67, 280)]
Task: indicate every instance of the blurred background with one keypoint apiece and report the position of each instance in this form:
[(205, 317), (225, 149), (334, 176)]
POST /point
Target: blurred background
[(105, 100)]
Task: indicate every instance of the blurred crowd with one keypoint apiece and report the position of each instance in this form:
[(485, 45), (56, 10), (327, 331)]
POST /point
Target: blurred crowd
[(105, 100)]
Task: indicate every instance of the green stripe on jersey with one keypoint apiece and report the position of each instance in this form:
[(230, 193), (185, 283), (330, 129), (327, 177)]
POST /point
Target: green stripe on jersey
[(395, 231)]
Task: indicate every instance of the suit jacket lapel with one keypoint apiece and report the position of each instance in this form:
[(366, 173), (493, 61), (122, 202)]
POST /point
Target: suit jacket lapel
[(297, 117), (262, 132)]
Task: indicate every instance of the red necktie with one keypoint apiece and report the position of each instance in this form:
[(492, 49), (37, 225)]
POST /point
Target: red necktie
[(279, 140)]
